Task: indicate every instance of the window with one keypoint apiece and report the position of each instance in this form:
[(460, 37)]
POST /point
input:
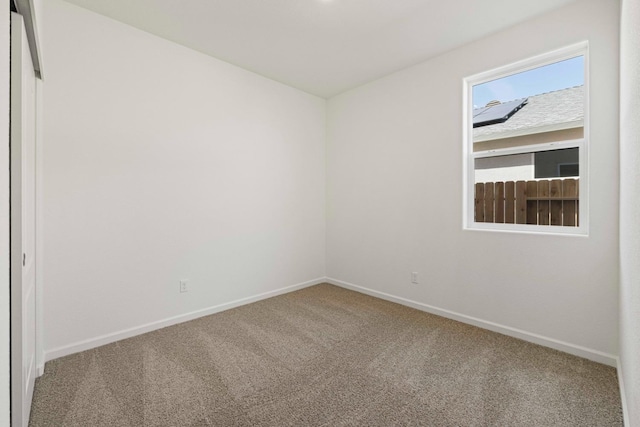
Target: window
[(526, 145)]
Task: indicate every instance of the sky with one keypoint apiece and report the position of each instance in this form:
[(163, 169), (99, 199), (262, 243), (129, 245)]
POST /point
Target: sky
[(559, 75)]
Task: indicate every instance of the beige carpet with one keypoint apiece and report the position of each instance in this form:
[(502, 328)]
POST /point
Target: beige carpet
[(325, 356)]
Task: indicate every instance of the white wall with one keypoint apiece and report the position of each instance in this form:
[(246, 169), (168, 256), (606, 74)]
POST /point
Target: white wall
[(630, 207), (5, 385), (162, 164), (394, 194)]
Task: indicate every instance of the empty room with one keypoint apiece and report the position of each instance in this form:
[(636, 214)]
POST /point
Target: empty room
[(320, 213)]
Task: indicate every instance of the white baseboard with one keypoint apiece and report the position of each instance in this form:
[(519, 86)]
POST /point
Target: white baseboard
[(576, 350), (138, 330), (587, 353), (623, 395)]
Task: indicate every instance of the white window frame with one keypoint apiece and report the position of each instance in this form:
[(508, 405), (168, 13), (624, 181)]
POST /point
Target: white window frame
[(469, 156)]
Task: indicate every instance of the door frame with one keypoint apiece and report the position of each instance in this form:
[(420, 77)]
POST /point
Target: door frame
[(5, 248), (24, 351)]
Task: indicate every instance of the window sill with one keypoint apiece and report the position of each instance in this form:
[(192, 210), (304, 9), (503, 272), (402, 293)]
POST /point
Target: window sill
[(550, 230)]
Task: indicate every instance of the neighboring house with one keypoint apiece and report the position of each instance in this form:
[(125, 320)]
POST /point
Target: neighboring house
[(548, 117)]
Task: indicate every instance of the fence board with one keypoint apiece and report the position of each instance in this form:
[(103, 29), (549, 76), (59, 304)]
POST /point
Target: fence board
[(543, 205), (509, 202), (555, 211), (499, 204), (569, 207), (521, 202), (479, 208), (543, 202), (488, 202), (532, 205), (577, 203)]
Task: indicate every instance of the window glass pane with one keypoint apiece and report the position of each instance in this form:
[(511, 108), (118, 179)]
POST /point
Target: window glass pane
[(542, 105), (505, 168), (557, 163), (537, 188), (527, 113)]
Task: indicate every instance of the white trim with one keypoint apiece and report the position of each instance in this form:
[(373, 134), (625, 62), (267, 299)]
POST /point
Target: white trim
[(576, 350), (5, 223), (142, 329), (39, 249), (551, 230), (468, 171), (525, 149), (530, 63), (623, 395), (27, 10)]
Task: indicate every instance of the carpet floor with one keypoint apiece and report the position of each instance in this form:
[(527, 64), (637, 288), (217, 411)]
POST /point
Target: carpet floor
[(325, 356)]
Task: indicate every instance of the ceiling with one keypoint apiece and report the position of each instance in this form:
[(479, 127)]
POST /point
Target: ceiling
[(323, 47)]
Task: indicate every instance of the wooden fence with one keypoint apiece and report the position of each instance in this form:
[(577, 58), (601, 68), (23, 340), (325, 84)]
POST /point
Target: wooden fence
[(542, 202)]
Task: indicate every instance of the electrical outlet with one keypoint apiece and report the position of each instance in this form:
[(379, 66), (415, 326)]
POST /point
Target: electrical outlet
[(414, 277), (184, 286)]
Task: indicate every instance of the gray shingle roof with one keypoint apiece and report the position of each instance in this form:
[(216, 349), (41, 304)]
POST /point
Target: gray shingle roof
[(561, 109)]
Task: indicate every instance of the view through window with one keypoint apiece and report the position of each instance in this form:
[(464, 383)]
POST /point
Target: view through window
[(526, 144)]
